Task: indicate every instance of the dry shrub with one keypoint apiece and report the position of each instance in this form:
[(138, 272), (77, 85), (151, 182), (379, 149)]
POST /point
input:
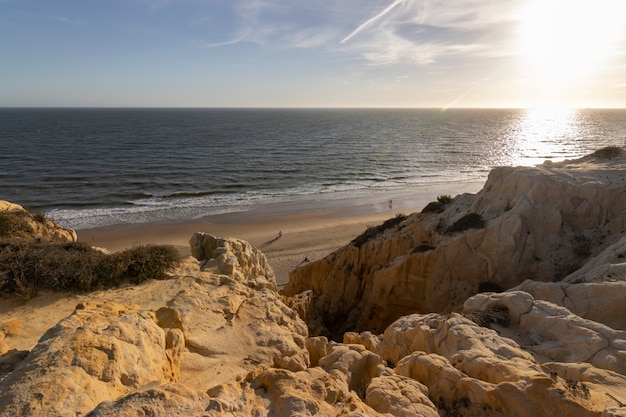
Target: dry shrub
[(469, 221), (374, 231), (434, 207), (29, 266), (608, 153), (13, 224)]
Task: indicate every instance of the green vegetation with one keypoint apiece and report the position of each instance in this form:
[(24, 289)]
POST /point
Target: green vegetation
[(608, 152), (438, 206), (374, 231), (434, 207), (444, 199), (469, 221), (29, 263), (27, 266)]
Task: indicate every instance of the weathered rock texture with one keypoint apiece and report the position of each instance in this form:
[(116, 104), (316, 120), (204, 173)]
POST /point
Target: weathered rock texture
[(217, 329), (536, 223), (38, 226), (218, 340)]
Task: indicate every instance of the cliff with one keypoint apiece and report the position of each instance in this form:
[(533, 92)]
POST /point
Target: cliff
[(537, 223), (426, 335)]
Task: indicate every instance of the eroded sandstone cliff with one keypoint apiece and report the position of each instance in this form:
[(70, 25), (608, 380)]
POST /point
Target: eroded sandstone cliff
[(216, 339), (528, 223)]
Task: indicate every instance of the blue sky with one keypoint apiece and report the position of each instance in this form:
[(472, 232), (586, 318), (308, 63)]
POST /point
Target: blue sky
[(322, 53)]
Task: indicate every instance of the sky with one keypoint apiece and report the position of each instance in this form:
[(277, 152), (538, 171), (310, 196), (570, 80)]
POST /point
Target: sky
[(315, 53)]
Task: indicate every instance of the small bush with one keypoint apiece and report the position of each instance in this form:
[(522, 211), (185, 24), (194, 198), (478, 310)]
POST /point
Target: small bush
[(469, 221), (608, 153), (496, 314), (374, 231), (13, 224), (434, 207), (141, 263), (444, 199), (29, 266)]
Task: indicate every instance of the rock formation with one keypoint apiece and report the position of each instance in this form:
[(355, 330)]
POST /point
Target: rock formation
[(427, 335), (31, 226), (527, 223)]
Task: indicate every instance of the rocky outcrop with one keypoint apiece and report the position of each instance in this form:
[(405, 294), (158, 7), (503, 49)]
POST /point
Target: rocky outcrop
[(216, 328), (101, 351), (216, 339), (527, 223), (596, 291), (15, 221)]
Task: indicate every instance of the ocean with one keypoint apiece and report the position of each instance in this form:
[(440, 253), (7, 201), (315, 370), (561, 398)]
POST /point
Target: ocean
[(89, 168)]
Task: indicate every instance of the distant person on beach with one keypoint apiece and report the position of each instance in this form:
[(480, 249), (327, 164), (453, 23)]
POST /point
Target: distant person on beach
[(390, 204)]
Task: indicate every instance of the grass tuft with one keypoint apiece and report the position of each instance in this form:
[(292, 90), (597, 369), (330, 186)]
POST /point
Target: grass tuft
[(374, 231)]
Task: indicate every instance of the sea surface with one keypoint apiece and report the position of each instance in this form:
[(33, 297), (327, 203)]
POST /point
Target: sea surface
[(100, 167)]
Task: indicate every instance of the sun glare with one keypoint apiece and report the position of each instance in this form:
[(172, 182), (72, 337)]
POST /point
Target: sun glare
[(565, 40), (539, 135)]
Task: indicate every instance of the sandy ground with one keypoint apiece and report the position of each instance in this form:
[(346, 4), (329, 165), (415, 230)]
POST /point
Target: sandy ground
[(308, 230)]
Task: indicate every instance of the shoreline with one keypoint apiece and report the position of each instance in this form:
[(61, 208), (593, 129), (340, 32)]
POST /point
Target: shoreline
[(309, 230)]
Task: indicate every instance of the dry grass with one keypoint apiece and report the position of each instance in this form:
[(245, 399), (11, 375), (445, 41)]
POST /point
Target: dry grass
[(469, 221), (374, 231), (27, 266), (14, 224)]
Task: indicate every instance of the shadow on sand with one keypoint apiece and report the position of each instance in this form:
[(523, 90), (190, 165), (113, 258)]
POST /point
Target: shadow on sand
[(269, 242)]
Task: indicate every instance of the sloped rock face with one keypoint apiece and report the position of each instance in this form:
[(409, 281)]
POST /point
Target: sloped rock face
[(37, 227), (539, 223), (114, 360), (596, 291), (225, 345), (102, 351), (221, 342)]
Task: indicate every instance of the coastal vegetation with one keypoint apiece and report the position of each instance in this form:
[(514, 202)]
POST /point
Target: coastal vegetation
[(14, 224), (27, 266), (469, 221), (444, 199), (608, 152), (374, 231), (29, 263)]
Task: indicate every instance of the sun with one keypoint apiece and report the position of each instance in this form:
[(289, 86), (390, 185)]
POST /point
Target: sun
[(565, 40)]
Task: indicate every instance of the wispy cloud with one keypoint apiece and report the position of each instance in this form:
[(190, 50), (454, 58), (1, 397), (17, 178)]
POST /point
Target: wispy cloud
[(67, 20), (423, 31), (283, 23), (373, 19), (416, 31)]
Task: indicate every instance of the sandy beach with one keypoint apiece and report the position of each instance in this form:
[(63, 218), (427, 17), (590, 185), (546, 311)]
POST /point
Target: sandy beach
[(308, 230)]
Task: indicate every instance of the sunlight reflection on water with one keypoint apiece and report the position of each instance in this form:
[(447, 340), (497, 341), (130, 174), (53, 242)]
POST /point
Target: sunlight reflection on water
[(542, 134)]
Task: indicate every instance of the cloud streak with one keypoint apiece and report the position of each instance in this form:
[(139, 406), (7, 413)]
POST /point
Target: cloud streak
[(372, 20), (425, 31)]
